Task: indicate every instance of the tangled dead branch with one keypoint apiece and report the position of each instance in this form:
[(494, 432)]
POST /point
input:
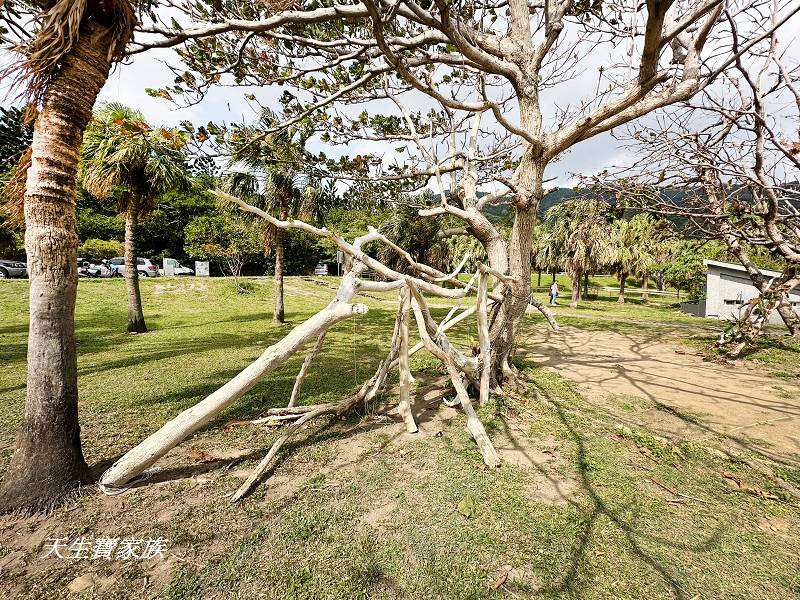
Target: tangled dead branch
[(460, 367)]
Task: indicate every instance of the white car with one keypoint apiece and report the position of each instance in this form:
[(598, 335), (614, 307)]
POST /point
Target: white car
[(183, 270), (143, 266), (178, 269)]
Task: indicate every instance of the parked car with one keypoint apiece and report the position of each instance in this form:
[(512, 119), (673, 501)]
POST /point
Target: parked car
[(183, 270), (143, 265), (321, 269), (13, 268), (179, 270)]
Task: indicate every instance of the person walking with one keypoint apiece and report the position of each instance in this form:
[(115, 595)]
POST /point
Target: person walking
[(553, 294)]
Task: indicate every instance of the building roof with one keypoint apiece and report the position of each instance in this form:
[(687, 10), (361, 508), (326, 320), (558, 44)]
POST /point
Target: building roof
[(738, 267)]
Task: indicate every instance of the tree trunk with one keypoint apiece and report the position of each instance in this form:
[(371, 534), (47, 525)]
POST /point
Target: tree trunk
[(645, 285), (576, 289), (539, 278), (136, 322), (622, 278), (136, 460), (47, 464), (790, 317), (278, 314), (504, 328), (586, 285)]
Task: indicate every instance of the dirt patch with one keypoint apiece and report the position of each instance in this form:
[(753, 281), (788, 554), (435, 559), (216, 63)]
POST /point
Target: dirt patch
[(378, 516), (159, 289), (684, 395)]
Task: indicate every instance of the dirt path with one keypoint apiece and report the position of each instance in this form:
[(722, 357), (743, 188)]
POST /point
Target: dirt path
[(645, 379)]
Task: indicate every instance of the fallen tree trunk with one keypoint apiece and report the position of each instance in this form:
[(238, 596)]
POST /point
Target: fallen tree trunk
[(367, 392), (189, 421)]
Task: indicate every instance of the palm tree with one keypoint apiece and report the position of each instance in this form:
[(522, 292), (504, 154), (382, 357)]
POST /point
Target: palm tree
[(280, 161), (62, 70), (633, 246), (123, 156), (576, 235)]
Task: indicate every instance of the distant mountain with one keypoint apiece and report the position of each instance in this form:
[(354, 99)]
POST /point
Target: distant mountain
[(557, 196)]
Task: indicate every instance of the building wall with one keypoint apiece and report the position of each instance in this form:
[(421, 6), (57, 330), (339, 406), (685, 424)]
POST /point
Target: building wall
[(727, 290)]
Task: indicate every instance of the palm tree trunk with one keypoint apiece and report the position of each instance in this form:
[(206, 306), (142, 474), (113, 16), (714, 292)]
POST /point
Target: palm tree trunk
[(278, 314), (622, 277), (645, 285), (136, 322), (47, 464), (576, 289), (586, 285)]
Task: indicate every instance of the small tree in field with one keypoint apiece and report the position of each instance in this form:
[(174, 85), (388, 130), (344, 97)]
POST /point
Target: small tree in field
[(633, 244), (228, 239), (125, 158), (278, 182)]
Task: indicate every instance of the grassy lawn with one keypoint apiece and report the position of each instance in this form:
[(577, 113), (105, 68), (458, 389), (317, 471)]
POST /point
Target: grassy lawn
[(583, 506)]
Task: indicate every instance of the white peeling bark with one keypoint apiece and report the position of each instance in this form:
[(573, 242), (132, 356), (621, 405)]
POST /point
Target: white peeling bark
[(483, 337), (404, 406), (301, 376)]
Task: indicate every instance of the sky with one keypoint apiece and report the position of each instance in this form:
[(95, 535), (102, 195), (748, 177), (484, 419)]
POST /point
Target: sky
[(128, 82)]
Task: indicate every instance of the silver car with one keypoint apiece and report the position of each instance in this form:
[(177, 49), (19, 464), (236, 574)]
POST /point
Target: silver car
[(13, 268), (143, 266)]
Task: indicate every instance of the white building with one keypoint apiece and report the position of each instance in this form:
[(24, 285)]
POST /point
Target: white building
[(728, 289)]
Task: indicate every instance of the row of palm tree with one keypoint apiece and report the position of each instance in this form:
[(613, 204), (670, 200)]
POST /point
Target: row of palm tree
[(585, 236)]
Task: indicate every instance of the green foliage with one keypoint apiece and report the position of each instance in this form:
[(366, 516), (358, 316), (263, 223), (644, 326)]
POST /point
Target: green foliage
[(636, 244), (685, 271), (228, 239), (12, 242), (95, 250), (124, 157), (15, 136), (576, 235)]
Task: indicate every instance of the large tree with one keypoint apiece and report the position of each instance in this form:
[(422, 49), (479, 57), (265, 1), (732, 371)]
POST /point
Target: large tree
[(513, 66), (727, 165), (124, 157), (62, 69)]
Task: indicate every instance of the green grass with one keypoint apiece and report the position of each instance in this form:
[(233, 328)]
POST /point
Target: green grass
[(355, 511)]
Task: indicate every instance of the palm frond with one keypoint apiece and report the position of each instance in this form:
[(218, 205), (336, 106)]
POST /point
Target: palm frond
[(60, 28)]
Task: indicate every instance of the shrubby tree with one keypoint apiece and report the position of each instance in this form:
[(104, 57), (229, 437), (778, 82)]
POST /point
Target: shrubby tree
[(96, 250), (227, 238), (125, 158), (685, 270)]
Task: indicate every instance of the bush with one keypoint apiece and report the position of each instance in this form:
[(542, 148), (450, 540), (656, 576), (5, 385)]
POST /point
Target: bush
[(94, 249)]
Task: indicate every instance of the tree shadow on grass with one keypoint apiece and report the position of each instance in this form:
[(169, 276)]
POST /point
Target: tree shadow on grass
[(598, 506)]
